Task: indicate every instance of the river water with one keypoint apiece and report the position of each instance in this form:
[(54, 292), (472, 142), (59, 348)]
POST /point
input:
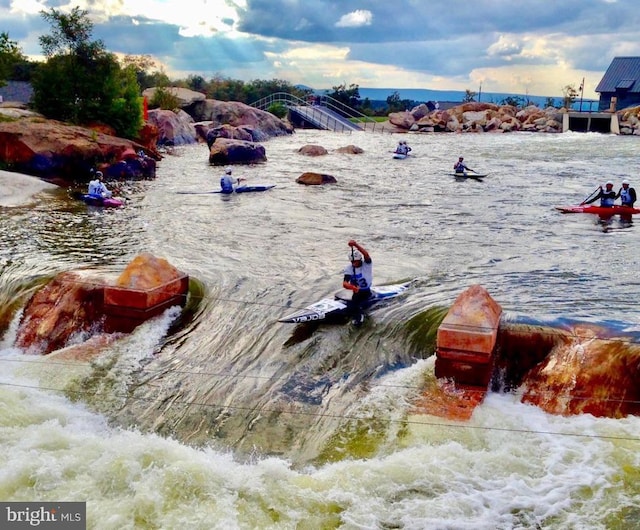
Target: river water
[(233, 420)]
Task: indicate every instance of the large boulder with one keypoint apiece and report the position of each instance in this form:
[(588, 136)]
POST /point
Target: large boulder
[(216, 113), (225, 151), (350, 150), (184, 96), (174, 127), (312, 150), (58, 152), (315, 179), (227, 131), (402, 119), (66, 307)]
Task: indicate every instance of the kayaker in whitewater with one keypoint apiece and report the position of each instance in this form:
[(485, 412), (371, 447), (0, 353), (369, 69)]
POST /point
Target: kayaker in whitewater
[(607, 196), (627, 195), (459, 166), (97, 186), (227, 182), (358, 277)]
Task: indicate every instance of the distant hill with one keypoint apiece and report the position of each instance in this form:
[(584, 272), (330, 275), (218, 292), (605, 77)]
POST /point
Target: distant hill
[(422, 95)]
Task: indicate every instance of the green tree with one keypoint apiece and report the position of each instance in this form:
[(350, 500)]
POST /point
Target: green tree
[(10, 56), (569, 95), (278, 110), (81, 82), (469, 96), (514, 101), (163, 98), (145, 69), (348, 96)]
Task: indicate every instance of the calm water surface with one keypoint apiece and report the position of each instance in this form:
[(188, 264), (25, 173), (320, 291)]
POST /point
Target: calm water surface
[(229, 423)]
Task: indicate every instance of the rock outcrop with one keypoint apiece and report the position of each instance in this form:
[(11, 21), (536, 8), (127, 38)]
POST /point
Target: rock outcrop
[(315, 179), (629, 119), (62, 153), (68, 306), (225, 151), (174, 127), (73, 308), (478, 118), (350, 150), (184, 96), (312, 150), (261, 124)]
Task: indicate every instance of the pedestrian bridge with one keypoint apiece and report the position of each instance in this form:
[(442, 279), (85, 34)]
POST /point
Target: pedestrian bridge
[(318, 112)]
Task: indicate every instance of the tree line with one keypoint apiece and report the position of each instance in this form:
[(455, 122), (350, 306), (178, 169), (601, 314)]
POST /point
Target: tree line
[(81, 82)]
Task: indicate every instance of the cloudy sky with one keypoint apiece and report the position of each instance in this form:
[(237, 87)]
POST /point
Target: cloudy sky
[(533, 47)]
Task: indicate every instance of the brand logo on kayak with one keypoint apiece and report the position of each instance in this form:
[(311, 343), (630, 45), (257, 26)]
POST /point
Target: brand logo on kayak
[(308, 318)]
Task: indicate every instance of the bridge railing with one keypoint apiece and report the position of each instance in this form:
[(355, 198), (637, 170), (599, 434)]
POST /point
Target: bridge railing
[(328, 109)]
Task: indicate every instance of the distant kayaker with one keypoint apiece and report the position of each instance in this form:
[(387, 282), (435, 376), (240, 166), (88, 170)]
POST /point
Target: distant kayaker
[(607, 196), (402, 148), (627, 195), (358, 277), (227, 182), (97, 186), (460, 167)]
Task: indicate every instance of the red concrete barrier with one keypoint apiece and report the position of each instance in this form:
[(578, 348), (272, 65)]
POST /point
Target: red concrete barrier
[(126, 308), (466, 339)]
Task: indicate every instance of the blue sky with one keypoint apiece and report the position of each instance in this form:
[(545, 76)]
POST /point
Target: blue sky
[(533, 47)]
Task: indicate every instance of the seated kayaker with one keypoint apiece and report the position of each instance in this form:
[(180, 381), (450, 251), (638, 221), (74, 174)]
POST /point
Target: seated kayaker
[(358, 277), (607, 196), (402, 148), (97, 187), (627, 195), (228, 184), (459, 166)]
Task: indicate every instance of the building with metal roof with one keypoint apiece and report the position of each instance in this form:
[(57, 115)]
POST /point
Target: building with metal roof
[(620, 86)]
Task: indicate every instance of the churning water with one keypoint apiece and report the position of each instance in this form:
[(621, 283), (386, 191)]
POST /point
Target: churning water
[(236, 421)]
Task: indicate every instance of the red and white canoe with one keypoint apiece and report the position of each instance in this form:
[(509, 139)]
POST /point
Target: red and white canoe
[(599, 210)]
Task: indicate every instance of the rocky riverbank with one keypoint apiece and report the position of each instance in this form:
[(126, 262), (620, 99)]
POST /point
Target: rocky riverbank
[(488, 117)]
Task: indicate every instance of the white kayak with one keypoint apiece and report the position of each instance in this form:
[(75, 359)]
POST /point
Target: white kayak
[(336, 307)]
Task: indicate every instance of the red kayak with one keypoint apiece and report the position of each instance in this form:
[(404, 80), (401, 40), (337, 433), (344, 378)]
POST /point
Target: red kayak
[(599, 210)]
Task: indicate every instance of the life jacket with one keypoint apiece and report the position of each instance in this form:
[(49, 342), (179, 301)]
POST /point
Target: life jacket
[(626, 197), (361, 276), (95, 187), (226, 183), (607, 198)]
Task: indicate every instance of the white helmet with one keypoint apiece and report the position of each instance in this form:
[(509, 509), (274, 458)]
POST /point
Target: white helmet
[(609, 183), (625, 182), (228, 170), (99, 174), (355, 255)]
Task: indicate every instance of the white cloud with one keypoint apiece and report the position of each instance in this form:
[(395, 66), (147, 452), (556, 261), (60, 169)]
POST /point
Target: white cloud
[(506, 46), (27, 7), (360, 17)]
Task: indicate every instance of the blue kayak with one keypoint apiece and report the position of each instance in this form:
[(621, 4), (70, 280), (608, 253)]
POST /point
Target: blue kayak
[(239, 189)]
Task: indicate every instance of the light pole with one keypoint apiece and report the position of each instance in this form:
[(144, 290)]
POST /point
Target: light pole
[(581, 93)]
